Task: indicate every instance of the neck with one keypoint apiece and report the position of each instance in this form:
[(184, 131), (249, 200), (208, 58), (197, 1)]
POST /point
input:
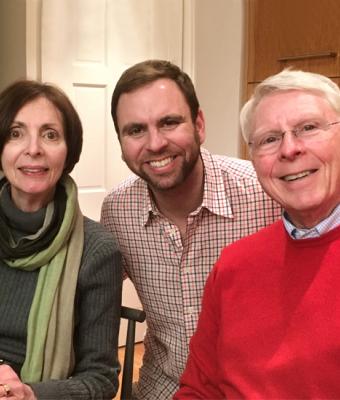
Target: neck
[(31, 203), (309, 220)]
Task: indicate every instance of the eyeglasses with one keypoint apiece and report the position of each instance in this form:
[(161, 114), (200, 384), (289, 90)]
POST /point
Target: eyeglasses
[(270, 142)]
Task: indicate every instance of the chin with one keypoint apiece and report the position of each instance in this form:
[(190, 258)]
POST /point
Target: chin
[(165, 184), (161, 186)]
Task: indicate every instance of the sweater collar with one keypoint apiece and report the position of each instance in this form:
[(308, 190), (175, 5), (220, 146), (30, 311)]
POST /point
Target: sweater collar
[(23, 222)]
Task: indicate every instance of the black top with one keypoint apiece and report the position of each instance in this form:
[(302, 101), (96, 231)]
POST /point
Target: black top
[(97, 316)]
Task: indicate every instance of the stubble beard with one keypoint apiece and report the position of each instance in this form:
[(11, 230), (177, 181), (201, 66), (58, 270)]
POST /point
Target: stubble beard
[(172, 181)]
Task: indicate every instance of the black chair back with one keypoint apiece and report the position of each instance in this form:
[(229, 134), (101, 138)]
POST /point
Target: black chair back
[(132, 315)]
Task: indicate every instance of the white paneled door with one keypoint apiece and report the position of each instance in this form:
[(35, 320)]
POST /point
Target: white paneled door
[(85, 46)]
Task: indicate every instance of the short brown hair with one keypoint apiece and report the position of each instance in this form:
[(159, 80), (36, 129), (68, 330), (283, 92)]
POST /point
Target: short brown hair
[(147, 72), (21, 92)]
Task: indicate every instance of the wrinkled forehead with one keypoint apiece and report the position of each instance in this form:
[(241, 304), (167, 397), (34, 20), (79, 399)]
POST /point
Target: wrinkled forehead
[(291, 106)]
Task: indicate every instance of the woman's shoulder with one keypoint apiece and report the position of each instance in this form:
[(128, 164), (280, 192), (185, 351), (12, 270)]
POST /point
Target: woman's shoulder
[(96, 235), (100, 248)]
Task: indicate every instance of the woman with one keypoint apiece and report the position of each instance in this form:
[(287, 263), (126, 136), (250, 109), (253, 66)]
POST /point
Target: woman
[(60, 272)]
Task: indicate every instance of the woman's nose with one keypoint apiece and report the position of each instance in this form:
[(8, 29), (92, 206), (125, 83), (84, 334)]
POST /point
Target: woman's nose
[(33, 146)]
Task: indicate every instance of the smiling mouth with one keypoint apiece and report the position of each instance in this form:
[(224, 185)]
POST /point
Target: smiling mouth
[(300, 175), (33, 170), (161, 163)]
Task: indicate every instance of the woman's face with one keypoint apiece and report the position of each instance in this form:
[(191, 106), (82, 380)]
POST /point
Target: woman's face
[(34, 155)]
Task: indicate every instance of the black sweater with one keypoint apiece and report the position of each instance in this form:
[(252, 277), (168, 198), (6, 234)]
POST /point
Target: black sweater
[(97, 316)]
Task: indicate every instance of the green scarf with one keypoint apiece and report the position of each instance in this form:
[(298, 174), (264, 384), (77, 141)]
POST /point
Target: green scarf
[(49, 350)]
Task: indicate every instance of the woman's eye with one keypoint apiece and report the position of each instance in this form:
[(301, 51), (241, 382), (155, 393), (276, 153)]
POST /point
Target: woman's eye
[(14, 134), (51, 135)]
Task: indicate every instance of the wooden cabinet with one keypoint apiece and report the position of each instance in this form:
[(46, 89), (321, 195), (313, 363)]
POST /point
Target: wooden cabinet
[(303, 34)]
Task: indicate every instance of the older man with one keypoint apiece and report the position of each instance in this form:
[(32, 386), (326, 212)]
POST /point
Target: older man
[(270, 321), (175, 216)]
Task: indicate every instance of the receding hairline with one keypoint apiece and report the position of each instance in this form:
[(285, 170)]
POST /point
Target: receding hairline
[(289, 80)]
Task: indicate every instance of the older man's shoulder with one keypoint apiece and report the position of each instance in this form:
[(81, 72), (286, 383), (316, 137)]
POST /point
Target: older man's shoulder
[(258, 242)]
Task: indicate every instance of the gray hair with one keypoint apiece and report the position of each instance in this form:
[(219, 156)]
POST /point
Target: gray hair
[(288, 80)]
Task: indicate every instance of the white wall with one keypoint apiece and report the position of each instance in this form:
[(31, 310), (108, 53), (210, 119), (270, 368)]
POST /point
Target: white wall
[(218, 70), (215, 60), (12, 41)]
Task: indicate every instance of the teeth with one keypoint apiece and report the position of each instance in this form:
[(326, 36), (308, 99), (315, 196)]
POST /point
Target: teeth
[(297, 176), (33, 170), (161, 163)]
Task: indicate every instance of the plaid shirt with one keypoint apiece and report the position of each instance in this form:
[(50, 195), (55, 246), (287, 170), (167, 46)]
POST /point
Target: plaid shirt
[(169, 275)]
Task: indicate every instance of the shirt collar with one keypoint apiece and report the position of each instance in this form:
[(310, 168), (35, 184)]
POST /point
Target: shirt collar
[(329, 223), (214, 194), (148, 206)]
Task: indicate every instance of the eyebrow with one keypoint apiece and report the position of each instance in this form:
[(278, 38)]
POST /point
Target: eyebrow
[(17, 123), (44, 126), (176, 117), (140, 125), (311, 117)]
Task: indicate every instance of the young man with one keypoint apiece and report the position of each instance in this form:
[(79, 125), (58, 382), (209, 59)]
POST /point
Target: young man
[(175, 216), (269, 326)]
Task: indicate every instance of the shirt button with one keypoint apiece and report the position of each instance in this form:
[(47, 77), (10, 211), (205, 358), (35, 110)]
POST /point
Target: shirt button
[(191, 310)]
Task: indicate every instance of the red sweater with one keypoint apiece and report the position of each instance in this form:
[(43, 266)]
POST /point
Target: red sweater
[(270, 322)]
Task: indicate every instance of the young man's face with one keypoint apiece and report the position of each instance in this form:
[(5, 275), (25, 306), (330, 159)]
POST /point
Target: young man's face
[(159, 141)]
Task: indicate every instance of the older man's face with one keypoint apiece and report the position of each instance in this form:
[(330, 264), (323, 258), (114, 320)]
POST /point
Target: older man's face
[(302, 175)]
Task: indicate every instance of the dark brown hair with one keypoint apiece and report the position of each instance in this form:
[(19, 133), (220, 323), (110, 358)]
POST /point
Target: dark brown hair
[(149, 71), (19, 93)]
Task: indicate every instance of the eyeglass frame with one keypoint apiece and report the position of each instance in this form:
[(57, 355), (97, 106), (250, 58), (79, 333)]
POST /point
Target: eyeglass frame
[(296, 132)]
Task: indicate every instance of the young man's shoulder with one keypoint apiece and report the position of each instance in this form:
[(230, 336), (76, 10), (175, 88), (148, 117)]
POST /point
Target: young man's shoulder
[(238, 176), (131, 186), (125, 201), (231, 167), (236, 167)]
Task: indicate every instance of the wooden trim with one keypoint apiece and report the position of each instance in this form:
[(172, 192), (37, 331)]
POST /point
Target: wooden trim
[(248, 61), (33, 39), (188, 52)]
